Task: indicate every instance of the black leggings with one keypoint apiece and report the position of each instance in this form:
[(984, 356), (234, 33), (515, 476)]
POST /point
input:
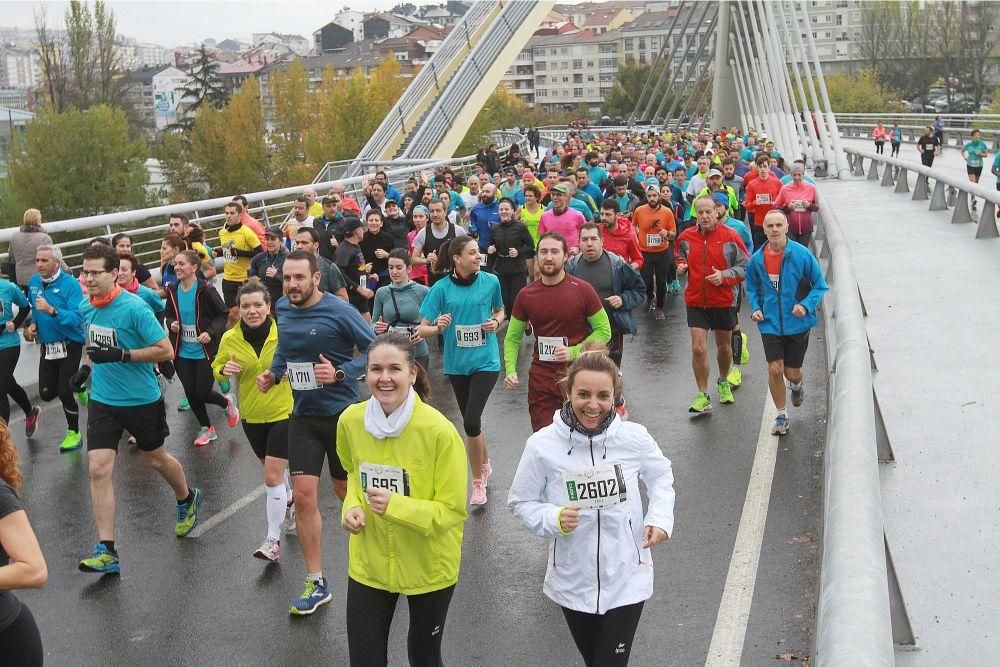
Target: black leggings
[(616, 345), (656, 273), (472, 392), (369, 617), (196, 378), (510, 285), (21, 643), (604, 639), (53, 380), (8, 385), (880, 147), (895, 149)]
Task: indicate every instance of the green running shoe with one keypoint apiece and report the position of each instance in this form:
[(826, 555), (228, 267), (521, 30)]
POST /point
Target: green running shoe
[(735, 377), (82, 397), (72, 441), (101, 560), (745, 351), (702, 403), (725, 392), (187, 514), (183, 405)]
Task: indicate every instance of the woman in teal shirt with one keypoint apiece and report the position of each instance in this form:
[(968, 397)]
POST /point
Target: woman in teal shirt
[(974, 152), (10, 351)]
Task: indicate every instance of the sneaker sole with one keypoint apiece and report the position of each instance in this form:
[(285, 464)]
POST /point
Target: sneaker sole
[(779, 431), (729, 402), (303, 612), (197, 506), (70, 449), (480, 504), (262, 556), (700, 412), (115, 570)]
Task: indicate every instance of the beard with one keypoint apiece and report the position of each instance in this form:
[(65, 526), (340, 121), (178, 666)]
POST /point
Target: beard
[(297, 296)]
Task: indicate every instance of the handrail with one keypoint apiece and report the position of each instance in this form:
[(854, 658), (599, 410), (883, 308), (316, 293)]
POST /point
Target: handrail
[(956, 121)]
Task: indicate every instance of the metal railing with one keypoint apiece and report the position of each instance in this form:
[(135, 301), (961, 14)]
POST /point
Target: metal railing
[(953, 121), (952, 137)]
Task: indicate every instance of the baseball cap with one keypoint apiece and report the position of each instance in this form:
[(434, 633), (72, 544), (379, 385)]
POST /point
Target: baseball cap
[(273, 231), (714, 172), (330, 199), (528, 176), (652, 184), (721, 197), (562, 187), (391, 202), (351, 224)]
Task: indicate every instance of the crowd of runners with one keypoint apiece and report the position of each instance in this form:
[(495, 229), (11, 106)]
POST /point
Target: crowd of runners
[(283, 329)]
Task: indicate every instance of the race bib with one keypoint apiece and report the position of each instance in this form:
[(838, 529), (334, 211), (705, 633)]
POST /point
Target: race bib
[(393, 478), (55, 350), (774, 277), (400, 330), (799, 206), (228, 255), (103, 336), (596, 488), (763, 198), (547, 347), (482, 260), (189, 333), (654, 240), (302, 376), (362, 281), (469, 335)]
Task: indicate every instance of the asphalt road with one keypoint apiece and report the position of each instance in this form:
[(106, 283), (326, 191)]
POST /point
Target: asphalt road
[(207, 601)]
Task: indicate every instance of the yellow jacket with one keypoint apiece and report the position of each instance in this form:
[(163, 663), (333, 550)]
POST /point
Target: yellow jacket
[(255, 407), (416, 546)]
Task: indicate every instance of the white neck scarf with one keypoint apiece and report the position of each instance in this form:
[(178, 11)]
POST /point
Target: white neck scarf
[(384, 426)]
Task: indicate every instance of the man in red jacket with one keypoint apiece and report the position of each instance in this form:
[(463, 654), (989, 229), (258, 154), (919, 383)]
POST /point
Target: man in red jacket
[(618, 234), (715, 259)]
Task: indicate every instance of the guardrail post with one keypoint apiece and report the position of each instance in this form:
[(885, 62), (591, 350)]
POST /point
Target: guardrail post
[(902, 631), (961, 213), (902, 183), (857, 169), (872, 169), (884, 446), (920, 189), (887, 177), (987, 222), (938, 201)]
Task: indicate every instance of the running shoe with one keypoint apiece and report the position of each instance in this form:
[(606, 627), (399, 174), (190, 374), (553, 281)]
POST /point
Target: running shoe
[(735, 377), (270, 550), (232, 412), (487, 471), (659, 315), (205, 436), (702, 403), (725, 392), (745, 351), (780, 425), (183, 406), (31, 421), (288, 525), (82, 397), (622, 410), (71, 442), (132, 440), (650, 305), (101, 560), (675, 285), (224, 386), (313, 597), (187, 514), (797, 395), (478, 493)]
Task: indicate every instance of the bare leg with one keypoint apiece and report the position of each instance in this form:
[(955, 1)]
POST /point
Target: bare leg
[(724, 351), (776, 382), (308, 520), (478, 454), (170, 469), (102, 491), (699, 358)]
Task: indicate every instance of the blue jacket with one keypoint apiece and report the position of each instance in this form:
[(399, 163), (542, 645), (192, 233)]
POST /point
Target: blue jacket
[(64, 295), (626, 283), (481, 219), (800, 281)]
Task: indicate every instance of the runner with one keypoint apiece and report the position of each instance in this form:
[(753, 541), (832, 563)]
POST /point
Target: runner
[(656, 229), (317, 337), (267, 265), (585, 498), (741, 350), (331, 279), (10, 352), (128, 280), (510, 247), (405, 516), (880, 134), (760, 196), (564, 313), (617, 234), (397, 305), (797, 200), (244, 352), (124, 341), (55, 298), (196, 320), (351, 262), (531, 215), (237, 246), (562, 218), (974, 152), (466, 310), (895, 138), (716, 258), (776, 279), (419, 216), (927, 145), (428, 241)]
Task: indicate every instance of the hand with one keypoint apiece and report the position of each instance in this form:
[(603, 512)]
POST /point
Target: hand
[(511, 381), (31, 333), (682, 268), (325, 372), (265, 381), (614, 301), (512, 253), (415, 337), (43, 305), (101, 354), (714, 278), (562, 353), (757, 316), (354, 520), (367, 268), (381, 254), (232, 368), (217, 252), (175, 326), (378, 499), (204, 337), (798, 310), (651, 536), (381, 326), (432, 258), (79, 380), (271, 272), (10, 326), (490, 325), (365, 292), (167, 370), (443, 322), (569, 519), (574, 251), (491, 250)]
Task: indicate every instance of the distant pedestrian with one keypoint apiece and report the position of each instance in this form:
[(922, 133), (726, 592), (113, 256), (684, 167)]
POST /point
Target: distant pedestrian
[(23, 244)]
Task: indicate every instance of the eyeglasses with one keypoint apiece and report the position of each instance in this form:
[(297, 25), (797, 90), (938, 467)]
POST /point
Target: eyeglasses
[(91, 274)]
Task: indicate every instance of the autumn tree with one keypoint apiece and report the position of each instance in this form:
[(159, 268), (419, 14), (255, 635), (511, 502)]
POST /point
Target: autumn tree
[(628, 87), (294, 112), (858, 93), (502, 109)]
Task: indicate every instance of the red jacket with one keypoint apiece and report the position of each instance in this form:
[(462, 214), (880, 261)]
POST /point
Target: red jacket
[(622, 241), (760, 196), (703, 253)]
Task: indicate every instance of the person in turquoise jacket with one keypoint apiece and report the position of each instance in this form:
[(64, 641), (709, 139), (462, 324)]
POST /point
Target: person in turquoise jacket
[(10, 351), (785, 285), (397, 305)]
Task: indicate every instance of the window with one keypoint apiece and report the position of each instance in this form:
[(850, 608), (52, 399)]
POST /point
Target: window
[(590, 77), (642, 43), (565, 64), (553, 52), (840, 20), (564, 50), (629, 44), (654, 43), (541, 93), (565, 79), (540, 80), (577, 78), (540, 66), (642, 57), (578, 92), (607, 77), (539, 53), (554, 79), (608, 48), (577, 64), (590, 63), (607, 63)]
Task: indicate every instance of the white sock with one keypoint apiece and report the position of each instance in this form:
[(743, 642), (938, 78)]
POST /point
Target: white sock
[(795, 385), (315, 576), (288, 485), (782, 412), (277, 501)]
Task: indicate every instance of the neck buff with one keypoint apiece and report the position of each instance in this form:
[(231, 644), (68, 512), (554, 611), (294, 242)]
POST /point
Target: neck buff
[(132, 287), (570, 419), (100, 302), (392, 425), (464, 282), (46, 281), (256, 337)]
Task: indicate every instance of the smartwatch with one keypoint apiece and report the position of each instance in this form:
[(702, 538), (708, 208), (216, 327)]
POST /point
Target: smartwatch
[(339, 375)]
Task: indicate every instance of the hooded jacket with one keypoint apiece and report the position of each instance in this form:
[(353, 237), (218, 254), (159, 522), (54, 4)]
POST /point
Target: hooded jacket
[(211, 316), (626, 283), (65, 296), (601, 565), (622, 241)]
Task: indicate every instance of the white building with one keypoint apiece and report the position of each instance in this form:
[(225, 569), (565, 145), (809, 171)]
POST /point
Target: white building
[(836, 27), (296, 44), (136, 55), (20, 68), (352, 20)]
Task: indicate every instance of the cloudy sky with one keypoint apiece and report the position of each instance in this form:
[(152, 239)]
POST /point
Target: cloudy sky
[(181, 22)]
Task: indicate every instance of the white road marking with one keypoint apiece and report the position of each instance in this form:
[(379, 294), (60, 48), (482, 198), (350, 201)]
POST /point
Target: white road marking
[(213, 521), (730, 631)]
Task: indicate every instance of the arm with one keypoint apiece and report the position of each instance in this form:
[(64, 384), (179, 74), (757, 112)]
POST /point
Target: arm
[(362, 335), (656, 473), (754, 294), (221, 357), (249, 253), (600, 330), (355, 495), (633, 288), (736, 273), (524, 499), (170, 312), (23, 308), (819, 287), (27, 567), (512, 345)]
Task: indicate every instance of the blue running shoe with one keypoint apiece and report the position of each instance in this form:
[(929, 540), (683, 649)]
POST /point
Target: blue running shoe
[(780, 425), (187, 514), (102, 561), (313, 597)]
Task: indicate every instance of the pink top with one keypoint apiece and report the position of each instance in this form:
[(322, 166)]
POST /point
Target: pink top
[(566, 225), (418, 274), (791, 192)]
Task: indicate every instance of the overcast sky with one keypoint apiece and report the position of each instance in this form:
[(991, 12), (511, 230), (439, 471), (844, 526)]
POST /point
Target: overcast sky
[(182, 22)]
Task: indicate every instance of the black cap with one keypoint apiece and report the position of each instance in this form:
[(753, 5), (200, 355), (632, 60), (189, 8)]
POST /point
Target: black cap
[(351, 224), (273, 231)]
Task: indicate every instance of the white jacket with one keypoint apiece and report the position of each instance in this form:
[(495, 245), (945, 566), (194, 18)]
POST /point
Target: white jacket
[(602, 564)]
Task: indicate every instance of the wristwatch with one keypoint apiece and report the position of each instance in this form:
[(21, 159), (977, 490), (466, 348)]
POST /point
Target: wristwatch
[(339, 375)]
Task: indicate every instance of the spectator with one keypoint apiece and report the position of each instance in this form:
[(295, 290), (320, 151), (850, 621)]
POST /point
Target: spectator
[(23, 244)]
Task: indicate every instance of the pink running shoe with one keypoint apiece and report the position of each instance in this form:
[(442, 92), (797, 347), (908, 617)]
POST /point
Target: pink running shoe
[(478, 493)]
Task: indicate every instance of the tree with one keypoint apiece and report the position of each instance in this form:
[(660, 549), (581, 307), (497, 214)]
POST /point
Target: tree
[(404, 9), (628, 85), (502, 109), (53, 62), (858, 93), (78, 163), (173, 151), (206, 87), (294, 111)]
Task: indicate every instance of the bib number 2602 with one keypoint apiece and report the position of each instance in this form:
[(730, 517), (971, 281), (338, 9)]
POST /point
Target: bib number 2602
[(596, 488)]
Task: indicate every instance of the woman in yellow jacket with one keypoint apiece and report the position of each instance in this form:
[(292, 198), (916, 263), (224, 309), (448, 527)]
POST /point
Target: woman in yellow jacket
[(405, 507), (245, 351)]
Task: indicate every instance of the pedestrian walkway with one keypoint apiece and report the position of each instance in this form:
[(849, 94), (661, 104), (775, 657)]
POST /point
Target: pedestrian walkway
[(930, 290)]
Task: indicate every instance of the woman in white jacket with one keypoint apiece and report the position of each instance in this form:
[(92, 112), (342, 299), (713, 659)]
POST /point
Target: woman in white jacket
[(578, 485)]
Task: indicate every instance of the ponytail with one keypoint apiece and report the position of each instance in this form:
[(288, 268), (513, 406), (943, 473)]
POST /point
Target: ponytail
[(445, 260)]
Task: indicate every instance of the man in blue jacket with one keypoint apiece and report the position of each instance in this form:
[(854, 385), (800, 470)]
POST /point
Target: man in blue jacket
[(785, 285), (484, 216)]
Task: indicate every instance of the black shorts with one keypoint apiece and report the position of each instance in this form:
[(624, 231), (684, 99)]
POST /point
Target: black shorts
[(790, 349), (974, 171), (106, 423), (716, 319), (310, 438), (268, 439), (229, 290)]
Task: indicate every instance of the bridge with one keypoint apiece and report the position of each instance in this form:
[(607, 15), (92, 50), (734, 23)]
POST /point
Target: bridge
[(863, 537)]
